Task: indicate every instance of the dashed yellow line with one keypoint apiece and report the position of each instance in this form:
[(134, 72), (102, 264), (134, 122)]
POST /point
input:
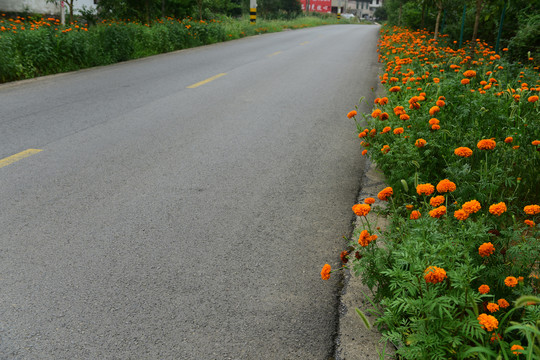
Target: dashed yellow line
[(13, 158), (206, 81), (274, 54)]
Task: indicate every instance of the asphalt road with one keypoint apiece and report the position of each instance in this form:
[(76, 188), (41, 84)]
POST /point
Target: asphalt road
[(162, 221)]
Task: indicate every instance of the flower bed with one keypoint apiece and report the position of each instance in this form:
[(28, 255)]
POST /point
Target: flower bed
[(458, 138)]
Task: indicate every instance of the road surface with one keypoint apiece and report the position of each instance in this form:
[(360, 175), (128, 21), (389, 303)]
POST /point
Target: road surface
[(182, 206)]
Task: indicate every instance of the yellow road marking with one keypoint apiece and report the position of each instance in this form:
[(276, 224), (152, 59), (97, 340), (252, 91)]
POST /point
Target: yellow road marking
[(23, 154), (206, 81), (304, 43), (274, 54)]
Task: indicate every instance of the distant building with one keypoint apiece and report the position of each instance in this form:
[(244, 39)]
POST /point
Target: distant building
[(42, 6), (363, 9)]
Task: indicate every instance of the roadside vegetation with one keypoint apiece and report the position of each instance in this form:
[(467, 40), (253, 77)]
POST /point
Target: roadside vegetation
[(37, 46), (511, 24), (457, 135)]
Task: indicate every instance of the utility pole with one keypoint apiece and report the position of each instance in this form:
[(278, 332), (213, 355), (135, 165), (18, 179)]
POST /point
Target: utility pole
[(252, 11), (62, 14)]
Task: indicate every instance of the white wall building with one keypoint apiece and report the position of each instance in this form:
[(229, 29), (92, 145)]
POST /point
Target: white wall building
[(42, 6), (363, 9)]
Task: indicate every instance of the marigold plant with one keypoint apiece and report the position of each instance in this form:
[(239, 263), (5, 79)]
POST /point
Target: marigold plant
[(325, 272), (446, 186), (488, 322), (425, 189), (434, 274), (481, 149), (361, 209), (463, 151), (483, 289), (486, 144), (486, 249)]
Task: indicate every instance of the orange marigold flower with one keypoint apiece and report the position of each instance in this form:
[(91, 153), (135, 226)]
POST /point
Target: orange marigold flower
[(434, 274), (434, 109), (386, 129), (461, 214), (385, 149), (414, 105), (492, 307), (398, 131), (486, 144), (440, 103), (497, 209), (532, 209), (384, 116), (375, 114), (536, 142), (488, 322), (471, 207), (344, 256), (433, 121), (364, 239), (438, 212), (383, 101), (469, 73), (510, 281), (463, 151), (385, 193), (351, 114), (509, 139), (409, 207), (446, 186), (364, 152), (398, 110), (325, 272), (436, 200), (486, 249), (533, 98), (425, 189), (495, 336), (483, 289), (530, 223), (435, 127), (361, 209), (369, 200), (516, 349), (465, 81), (404, 117), (420, 143), (395, 89), (503, 303), (415, 214)]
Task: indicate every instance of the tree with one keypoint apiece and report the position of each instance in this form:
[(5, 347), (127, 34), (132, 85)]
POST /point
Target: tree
[(69, 4), (439, 5)]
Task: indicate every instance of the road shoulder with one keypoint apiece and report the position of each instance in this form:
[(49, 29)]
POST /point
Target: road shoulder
[(354, 340)]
